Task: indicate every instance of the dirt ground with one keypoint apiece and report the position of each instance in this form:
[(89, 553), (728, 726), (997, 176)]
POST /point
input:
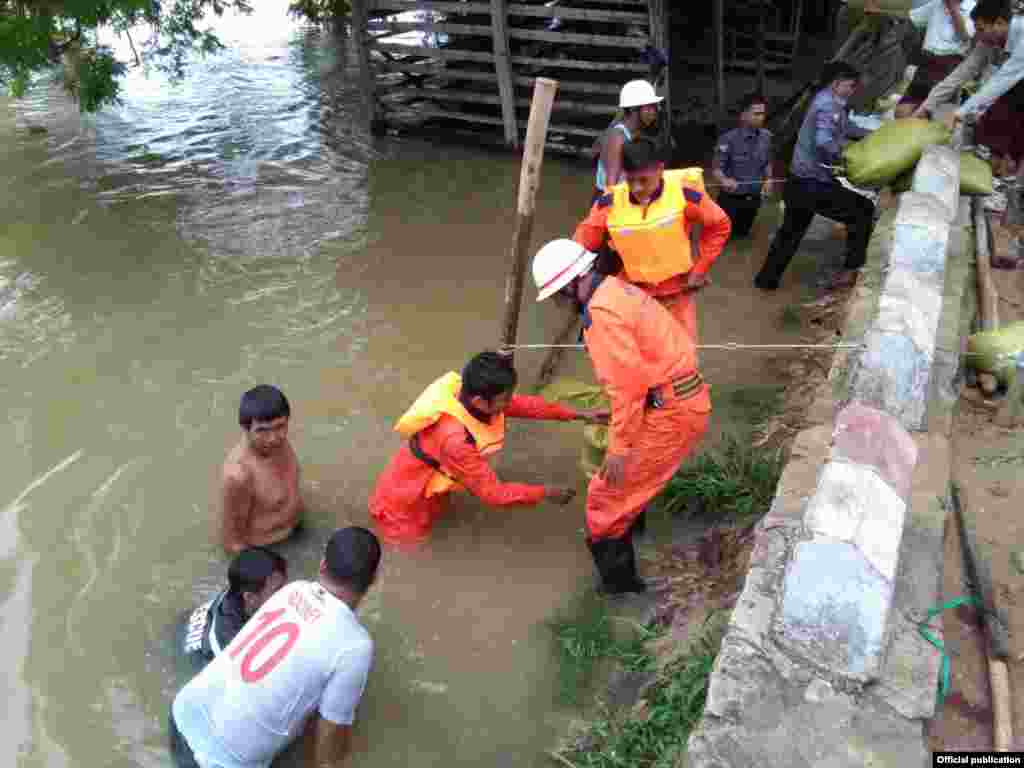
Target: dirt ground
[(988, 463)]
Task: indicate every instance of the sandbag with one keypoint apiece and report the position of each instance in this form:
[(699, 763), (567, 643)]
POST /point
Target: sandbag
[(898, 8), (995, 352), (595, 443), (975, 175), (579, 394), (576, 393), (902, 183), (891, 151)]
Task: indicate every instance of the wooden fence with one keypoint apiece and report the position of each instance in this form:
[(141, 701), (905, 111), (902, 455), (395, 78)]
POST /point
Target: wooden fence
[(474, 62)]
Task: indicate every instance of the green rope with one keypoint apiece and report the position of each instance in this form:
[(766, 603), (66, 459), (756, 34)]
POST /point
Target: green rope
[(923, 628)]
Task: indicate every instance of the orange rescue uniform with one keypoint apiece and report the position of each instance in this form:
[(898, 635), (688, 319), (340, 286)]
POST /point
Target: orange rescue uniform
[(636, 345), (400, 506), (699, 209)]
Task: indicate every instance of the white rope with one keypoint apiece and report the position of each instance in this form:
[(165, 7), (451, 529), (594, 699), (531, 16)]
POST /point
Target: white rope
[(735, 346), (732, 345)]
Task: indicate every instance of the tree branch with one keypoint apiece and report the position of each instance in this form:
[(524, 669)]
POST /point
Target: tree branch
[(131, 42)]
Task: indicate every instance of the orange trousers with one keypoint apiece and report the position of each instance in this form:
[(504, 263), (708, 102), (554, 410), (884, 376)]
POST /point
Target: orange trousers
[(669, 435), (683, 306)]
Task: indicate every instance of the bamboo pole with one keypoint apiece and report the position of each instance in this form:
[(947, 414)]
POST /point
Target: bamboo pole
[(367, 81), (979, 575), (529, 180), (718, 24), (988, 297), (555, 354), (761, 31), (503, 68)]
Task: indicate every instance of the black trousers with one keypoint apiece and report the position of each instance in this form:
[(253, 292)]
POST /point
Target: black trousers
[(804, 198), (741, 209), (180, 750)]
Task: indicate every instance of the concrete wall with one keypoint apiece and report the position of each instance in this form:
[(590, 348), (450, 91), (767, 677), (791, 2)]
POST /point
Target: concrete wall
[(822, 664)]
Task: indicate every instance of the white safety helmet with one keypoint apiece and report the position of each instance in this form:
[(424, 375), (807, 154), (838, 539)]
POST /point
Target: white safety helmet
[(637, 93), (557, 264)]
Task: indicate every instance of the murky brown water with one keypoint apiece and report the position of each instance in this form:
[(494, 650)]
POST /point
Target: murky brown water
[(239, 228)]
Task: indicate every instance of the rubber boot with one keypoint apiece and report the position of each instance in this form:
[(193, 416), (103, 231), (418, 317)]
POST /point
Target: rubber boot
[(640, 524), (616, 562)]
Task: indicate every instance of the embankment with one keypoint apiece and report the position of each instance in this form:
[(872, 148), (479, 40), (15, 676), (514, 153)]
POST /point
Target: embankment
[(823, 663)]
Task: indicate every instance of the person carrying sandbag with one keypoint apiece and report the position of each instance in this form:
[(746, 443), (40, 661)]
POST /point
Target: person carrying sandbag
[(812, 189), (999, 103)]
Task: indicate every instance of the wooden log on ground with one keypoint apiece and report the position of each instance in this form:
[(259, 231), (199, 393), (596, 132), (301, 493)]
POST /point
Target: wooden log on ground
[(1002, 707), (979, 574), (529, 181), (988, 297)]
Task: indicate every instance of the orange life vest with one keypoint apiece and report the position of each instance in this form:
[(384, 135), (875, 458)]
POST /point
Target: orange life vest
[(439, 398), (651, 239)]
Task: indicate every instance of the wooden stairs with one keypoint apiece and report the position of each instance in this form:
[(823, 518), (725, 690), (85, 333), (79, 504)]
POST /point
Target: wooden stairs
[(471, 65)]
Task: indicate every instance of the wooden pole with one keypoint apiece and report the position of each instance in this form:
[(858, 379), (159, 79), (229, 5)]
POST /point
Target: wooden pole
[(554, 355), (529, 180), (988, 297), (367, 81), (503, 68), (979, 576), (761, 13), (797, 22), (718, 25)]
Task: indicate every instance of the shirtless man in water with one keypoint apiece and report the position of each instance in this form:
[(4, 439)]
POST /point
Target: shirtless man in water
[(260, 501)]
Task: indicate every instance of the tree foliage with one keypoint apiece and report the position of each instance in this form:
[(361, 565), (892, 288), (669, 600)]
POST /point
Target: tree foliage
[(320, 12), (38, 35)]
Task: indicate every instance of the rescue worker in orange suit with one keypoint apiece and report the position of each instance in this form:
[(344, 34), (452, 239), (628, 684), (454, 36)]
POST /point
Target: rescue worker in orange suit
[(647, 221), (646, 362), (453, 429)]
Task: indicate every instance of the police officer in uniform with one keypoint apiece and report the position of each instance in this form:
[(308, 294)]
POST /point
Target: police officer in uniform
[(812, 188), (742, 166)]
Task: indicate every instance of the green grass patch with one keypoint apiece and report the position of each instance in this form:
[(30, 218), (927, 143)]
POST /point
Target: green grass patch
[(586, 636), (654, 735), (790, 319), (743, 408), (734, 480)]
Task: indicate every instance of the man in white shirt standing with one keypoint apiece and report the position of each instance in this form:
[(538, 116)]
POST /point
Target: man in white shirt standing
[(998, 102), (998, 105), (947, 38), (299, 665)]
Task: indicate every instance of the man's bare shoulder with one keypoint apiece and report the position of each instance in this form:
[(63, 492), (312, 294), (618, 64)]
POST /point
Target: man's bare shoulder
[(235, 473)]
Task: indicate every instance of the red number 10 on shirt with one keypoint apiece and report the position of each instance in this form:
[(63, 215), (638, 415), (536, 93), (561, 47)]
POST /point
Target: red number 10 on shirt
[(289, 630)]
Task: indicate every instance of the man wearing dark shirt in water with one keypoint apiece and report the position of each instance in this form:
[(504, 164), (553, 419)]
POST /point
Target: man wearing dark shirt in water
[(253, 576)]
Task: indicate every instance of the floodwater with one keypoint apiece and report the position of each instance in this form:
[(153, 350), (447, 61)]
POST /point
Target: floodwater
[(241, 228)]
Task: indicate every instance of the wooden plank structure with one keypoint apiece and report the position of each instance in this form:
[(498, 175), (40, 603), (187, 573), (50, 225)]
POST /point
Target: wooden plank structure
[(470, 64), (474, 63)]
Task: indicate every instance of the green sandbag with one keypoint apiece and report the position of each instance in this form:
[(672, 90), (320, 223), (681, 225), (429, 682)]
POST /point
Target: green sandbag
[(891, 151), (579, 394), (595, 443), (576, 393), (975, 175), (902, 183), (898, 8), (995, 352)]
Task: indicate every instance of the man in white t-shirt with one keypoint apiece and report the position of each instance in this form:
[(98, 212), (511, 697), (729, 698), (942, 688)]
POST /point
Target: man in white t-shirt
[(947, 38), (300, 664)]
